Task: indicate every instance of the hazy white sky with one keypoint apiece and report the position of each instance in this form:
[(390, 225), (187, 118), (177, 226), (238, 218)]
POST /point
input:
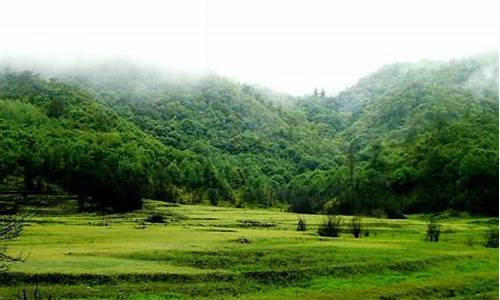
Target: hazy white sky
[(292, 46)]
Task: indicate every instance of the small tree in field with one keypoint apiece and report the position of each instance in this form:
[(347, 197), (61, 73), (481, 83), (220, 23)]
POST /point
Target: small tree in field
[(331, 227), (301, 224), (11, 227), (491, 237), (356, 226), (433, 230)]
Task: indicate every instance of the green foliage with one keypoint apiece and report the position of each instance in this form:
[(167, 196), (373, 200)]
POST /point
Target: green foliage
[(210, 256), (11, 227), (408, 138), (155, 218), (417, 138), (113, 164), (36, 294), (331, 227), (301, 224), (356, 227), (433, 230), (491, 240)]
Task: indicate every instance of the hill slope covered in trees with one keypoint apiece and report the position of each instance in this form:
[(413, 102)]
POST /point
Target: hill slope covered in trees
[(421, 137), (408, 138)]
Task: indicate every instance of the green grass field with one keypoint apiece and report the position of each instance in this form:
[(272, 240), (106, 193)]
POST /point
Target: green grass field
[(205, 252)]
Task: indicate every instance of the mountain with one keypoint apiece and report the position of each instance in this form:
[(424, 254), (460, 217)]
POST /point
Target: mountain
[(416, 137), (420, 135), (54, 132), (249, 134)]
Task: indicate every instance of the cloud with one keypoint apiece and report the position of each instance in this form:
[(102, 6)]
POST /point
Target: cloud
[(292, 46)]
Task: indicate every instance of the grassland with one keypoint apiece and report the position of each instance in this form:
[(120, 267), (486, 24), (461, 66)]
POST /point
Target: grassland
[(205, 252)]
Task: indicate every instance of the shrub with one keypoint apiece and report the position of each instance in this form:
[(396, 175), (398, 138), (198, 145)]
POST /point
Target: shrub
[(255, 223), (366, 232), (331, 227), (356, 226), (244, 240), (11, 227), (433, 230), (331, 207), (469, 240), (301, 205), (167, 193), (156, 218), (394, 214), (213, 196), (301, 224), (36, 295), (491, 240)]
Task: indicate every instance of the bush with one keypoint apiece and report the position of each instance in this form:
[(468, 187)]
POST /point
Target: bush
[(35, 295), (331, 227), (331, 207), (491, 240), (213, 196), (301, 224), (255, 223), (244, 240), (156, 218), (433, 230), (301, 205), (469, 240), (11, 227), (394, 214), (356, 226)]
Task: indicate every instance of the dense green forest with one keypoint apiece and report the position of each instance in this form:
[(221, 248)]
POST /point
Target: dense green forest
[(408, 138)]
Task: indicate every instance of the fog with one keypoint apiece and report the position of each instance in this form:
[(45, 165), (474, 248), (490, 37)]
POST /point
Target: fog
[(290, 46)]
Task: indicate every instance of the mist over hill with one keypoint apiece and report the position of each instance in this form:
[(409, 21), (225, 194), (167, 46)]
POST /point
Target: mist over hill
[(419, 137)]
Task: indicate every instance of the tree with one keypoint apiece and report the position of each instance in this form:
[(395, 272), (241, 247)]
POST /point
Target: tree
[(11, 227), (491, 238), (422, 141), (259, 192), (301, 224), (331, 227), (213, 196), (433, 230), (356, 226), (56, 108)]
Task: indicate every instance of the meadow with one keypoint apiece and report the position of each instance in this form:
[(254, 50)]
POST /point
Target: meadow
[(206, 252)]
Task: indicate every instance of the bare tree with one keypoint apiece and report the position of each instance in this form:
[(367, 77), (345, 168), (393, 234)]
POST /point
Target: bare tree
[(11, 227)]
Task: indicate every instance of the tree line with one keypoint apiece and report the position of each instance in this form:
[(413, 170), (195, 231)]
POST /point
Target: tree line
[(406, 139)]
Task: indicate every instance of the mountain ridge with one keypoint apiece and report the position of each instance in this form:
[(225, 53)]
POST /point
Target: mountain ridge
[(382, 144)]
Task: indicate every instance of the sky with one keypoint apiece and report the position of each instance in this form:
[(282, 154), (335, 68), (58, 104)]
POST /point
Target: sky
[(292, 46)]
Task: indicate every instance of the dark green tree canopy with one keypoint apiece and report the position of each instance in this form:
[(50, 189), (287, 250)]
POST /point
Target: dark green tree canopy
[(408, 138)]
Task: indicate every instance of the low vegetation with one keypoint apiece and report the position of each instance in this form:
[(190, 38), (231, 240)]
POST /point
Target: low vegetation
[(236, 170), (11, 227), (331, 227), (433, 230), (491, 240), (301, 224), (356, 227), (210, 256), (155, 218)]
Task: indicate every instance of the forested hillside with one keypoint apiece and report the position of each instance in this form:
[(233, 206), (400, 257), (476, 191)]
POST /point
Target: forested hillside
[(408, 138), (53, 132), (251, 137), (421, 137)]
